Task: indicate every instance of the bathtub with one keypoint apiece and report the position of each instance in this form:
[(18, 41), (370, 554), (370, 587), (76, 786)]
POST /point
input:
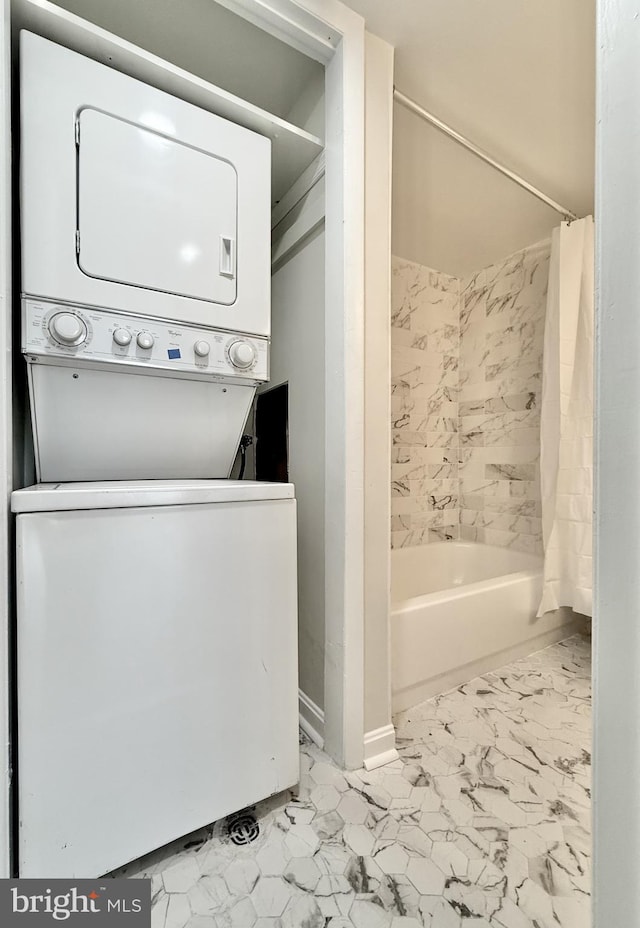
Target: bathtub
[(461, 609)]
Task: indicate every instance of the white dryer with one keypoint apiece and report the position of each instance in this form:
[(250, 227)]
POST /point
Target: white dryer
[(136, 201)]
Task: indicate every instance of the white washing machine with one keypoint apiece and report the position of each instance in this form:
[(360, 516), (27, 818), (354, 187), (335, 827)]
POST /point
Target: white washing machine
[(136, 201), (157, 664)]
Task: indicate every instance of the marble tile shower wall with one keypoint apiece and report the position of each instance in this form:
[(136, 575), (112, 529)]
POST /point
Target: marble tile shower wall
[(425, 349), (466, 373), (502, 310)]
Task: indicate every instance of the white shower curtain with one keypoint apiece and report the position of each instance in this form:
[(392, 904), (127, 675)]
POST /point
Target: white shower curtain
[(566, 469)]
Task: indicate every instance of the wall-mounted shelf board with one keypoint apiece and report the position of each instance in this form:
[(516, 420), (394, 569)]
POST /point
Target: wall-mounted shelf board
[(293, 149)]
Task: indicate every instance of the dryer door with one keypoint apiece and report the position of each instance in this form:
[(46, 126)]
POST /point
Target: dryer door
[(153, 212)]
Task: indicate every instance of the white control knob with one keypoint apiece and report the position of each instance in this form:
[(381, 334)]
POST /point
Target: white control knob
[(122, 337), (145, 340), (68, 329), (202, 349), (242, 354)]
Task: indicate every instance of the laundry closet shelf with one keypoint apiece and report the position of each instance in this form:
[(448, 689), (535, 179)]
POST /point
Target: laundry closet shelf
[(293, 149)]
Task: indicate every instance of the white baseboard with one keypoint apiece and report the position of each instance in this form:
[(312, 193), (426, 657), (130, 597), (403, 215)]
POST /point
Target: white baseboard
[(379, 744), (311, 718), (380, 747)]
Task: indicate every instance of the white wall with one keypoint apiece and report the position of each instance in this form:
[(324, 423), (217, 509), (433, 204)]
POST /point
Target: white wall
[(297, 357), (297, 320), (344, 371), (308, 110), (617, 491), (452, 211), (378, 129), (5, 427)]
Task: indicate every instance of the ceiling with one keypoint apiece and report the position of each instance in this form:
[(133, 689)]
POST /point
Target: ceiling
[(515, 76)]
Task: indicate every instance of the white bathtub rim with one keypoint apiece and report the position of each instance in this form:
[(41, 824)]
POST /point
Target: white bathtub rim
[(424, 569), (462, 591), (460, 543)]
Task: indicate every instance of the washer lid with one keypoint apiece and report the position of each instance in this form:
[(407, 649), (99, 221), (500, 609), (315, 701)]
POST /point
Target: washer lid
[(120, 494)]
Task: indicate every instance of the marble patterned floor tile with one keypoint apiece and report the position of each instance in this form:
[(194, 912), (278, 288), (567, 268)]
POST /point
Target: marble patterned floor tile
[(483, 822)]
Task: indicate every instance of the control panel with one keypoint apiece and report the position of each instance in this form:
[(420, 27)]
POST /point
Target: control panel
[(52, 330)]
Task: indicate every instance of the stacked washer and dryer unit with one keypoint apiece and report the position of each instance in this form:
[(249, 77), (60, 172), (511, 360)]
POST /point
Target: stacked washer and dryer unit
[(156, 598)]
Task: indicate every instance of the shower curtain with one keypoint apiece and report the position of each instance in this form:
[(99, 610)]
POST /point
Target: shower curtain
[(566, 428)]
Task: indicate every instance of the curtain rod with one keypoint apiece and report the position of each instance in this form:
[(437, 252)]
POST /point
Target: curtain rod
[(410, 104)]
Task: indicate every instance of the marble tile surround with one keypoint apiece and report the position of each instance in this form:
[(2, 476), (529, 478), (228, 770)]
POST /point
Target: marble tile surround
[(502, 315), (484, 822), (466, 376), (425, 350)]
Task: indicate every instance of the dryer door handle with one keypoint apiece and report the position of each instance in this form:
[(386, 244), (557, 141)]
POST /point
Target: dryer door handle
[(227, 256)]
